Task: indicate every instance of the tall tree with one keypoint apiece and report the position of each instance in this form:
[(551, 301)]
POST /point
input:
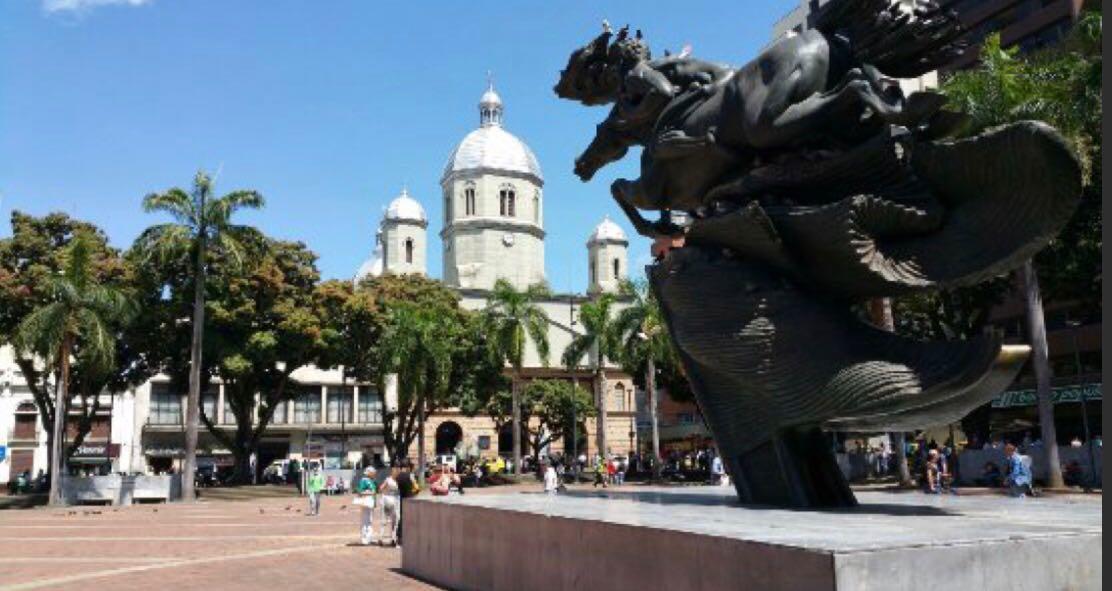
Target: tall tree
[(556, 404), (417, 348), (265, 326), (1061, 86), (201, 224), (31, 260), (510, 316), (78, 322), (599, 341), (367, 339), (644, 345)]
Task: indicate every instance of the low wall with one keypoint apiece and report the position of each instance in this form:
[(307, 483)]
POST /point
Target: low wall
[(971, 462), (117, 489)]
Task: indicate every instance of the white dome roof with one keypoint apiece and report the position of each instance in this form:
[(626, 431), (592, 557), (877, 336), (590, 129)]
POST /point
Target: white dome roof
[(371, 267), (405, 208), (492, 147), (607, 230)]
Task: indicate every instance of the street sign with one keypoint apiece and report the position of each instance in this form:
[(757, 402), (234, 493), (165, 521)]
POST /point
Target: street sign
[(3, 452)]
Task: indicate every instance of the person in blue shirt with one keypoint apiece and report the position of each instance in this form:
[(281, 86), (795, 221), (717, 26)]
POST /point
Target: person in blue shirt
[(1018, 479), (366, 490)]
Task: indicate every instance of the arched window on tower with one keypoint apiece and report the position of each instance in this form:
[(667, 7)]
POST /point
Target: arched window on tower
[(537, 207), (506, 198), (617, 269), (409, 251), (469, 200), (594, 273)]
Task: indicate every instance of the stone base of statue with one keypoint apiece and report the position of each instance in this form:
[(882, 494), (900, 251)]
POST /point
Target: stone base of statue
[(701, 538)]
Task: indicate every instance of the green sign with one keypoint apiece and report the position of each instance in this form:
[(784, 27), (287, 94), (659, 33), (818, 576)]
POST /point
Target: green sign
[(1057, 395)]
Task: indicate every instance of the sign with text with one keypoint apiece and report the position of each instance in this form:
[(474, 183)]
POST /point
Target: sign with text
[(1057, 396)]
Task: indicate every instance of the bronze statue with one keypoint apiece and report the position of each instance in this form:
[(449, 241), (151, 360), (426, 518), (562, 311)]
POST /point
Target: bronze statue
[(812, 182)]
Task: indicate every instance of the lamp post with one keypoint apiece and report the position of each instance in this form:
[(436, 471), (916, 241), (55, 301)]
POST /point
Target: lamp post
[(1075, 326)]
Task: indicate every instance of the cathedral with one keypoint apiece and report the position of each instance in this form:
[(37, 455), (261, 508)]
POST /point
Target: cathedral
[(493, 228)]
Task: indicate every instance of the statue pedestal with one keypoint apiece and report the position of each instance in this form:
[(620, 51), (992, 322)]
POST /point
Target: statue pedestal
[(700, 538)]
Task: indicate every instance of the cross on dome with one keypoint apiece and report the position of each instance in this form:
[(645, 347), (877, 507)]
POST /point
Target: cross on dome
[(490, 105)]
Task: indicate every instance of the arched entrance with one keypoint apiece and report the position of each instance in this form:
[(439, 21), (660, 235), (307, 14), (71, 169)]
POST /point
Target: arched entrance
[(448, 436)]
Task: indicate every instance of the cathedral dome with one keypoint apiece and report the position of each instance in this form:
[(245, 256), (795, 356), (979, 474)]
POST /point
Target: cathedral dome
[(405, 208), (490, 147), (374, 266), (607, 231)]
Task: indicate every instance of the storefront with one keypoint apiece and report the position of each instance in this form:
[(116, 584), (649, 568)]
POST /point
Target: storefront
[(93, 459), (1014, 414)]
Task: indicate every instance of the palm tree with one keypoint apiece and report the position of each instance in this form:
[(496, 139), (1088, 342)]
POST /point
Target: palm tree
[(416, 347), (76, 323), (598, 337), (644, 341), (509, 316), (201, 225)]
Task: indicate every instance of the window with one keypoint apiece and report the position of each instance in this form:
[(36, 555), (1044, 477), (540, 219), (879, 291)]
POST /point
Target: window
[(409, 251), (617, 269), (594, 273), (26, 416), (469, 201), (208, 404), (340, 404), (506, 198), (619, 397), (165, 406), (447, 207), (306, 408), (370, 406), (537, 207), (229, 414), (279, 416)]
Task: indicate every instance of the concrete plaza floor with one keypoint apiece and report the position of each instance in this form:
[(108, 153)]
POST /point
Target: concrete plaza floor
[(252, 544), (260, 544)]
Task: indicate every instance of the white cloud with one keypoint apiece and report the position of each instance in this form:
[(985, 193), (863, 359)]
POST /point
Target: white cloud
[(83, 5)]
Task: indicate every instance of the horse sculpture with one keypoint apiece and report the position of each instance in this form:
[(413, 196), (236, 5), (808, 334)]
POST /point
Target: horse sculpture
[(812, 182)]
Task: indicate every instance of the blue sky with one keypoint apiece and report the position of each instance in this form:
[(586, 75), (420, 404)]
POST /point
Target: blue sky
[(327, 108)]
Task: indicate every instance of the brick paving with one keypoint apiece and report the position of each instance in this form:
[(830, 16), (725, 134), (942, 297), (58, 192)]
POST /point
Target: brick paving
[(254, 544)]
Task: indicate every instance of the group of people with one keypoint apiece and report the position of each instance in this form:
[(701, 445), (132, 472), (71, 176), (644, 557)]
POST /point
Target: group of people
[(23, 483), (381, 497), (610, 470)]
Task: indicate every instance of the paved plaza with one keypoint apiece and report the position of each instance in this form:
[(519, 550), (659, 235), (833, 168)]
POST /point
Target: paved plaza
[(255, 544)]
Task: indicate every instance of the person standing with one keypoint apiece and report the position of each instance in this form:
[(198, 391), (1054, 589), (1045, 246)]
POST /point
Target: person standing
[(551, 480), (391, 507), (406, 488), (600, 472), (315, 486), (716, 470), (1018, 478), (366, 489)]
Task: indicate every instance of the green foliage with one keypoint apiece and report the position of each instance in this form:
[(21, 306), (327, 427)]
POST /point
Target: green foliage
[(411, 326), (59, 282), (1060, 85), (598, 338), (640, 335), (555, 404), (510, 315)]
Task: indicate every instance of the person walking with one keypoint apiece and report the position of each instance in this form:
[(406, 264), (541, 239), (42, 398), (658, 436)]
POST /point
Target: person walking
[(391, 508), (315, 486), (366, 489)]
